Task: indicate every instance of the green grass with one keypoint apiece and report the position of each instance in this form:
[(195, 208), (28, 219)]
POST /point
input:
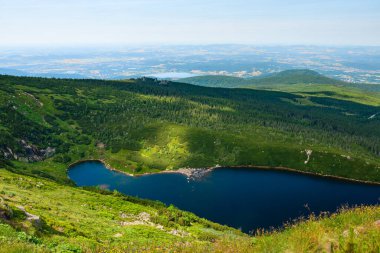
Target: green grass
[(349, 231)]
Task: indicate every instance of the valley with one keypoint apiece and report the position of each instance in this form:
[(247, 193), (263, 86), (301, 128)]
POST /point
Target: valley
[(144, 126)]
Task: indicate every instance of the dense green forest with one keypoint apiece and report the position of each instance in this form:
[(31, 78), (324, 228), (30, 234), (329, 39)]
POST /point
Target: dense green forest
[(145, 125)]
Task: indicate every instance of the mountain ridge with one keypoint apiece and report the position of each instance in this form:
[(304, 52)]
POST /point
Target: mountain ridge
[(294, 76)]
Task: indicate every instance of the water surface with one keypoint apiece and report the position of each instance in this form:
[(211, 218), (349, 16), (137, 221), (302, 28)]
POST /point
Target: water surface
[(241, 198)]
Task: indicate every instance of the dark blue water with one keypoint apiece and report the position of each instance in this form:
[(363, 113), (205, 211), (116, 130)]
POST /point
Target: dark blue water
[(241, 198)]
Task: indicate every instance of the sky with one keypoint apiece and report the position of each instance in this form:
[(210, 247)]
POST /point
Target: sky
[(263, 22)]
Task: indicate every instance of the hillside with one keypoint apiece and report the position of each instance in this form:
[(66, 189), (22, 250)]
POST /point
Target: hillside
[(147, 125), (43, 215), (38, 215), (296, 76)]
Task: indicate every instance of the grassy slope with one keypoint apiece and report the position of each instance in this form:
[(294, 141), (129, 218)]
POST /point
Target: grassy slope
[(75, 218), (78, 220), (188, 126)]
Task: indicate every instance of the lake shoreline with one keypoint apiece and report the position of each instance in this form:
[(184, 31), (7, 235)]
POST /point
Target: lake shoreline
[(196, 173)]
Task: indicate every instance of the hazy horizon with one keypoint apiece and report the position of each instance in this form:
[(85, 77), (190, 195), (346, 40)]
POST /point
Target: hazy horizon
[(117, 46), (167, 22)]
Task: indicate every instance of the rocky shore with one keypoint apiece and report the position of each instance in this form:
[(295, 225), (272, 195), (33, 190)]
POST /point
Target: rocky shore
[(192, 173)]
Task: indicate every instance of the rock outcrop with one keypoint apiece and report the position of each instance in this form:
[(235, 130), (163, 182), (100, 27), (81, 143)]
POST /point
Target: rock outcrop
[(28, 153)]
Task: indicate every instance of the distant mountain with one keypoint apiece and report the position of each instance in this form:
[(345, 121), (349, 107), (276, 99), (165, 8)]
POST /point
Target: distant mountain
[(296, 76)]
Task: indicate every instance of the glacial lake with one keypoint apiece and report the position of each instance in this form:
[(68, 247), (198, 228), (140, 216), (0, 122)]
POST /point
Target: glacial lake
[(243, 198)]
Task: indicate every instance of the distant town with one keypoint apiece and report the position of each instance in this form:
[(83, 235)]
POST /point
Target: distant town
[(352, 64)]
